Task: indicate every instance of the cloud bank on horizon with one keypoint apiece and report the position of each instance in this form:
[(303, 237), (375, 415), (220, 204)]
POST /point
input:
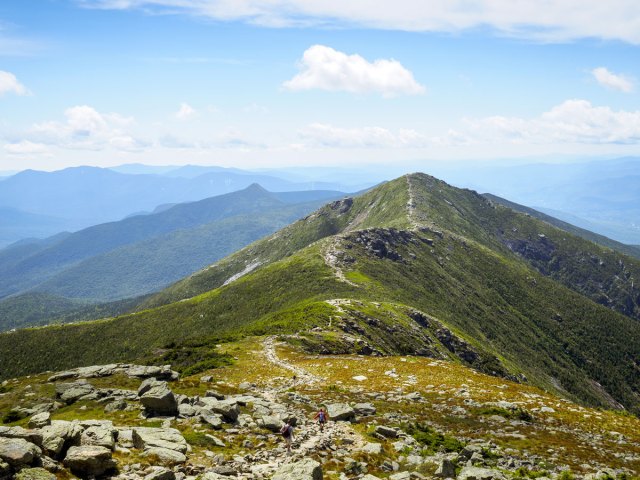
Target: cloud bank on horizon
[(319, 81)]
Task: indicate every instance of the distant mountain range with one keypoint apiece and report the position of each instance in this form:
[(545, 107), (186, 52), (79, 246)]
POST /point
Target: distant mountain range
[(144, 253), (412, 267), (45, 203)]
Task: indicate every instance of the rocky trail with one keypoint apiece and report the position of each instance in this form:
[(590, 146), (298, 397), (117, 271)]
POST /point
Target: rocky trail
[(223, 428)]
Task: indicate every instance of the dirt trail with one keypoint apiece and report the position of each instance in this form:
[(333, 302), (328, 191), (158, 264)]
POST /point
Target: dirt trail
[(308, 438), (302, 377), (331, 260)]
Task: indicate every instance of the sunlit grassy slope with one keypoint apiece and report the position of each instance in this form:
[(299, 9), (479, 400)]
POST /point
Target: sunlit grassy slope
[(517, 296)]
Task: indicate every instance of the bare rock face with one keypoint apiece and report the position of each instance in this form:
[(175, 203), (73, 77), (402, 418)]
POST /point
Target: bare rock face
[(166, 444), (18, 452), (340, 412), (72, 392), (40, 420), (157, 398), (89, 460), (60, 435), (227, 408), (306, 469)]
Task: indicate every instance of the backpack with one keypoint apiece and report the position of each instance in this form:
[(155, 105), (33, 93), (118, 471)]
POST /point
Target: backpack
[(322, 417), (286, 431)]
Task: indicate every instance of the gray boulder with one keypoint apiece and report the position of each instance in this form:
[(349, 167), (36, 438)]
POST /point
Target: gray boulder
[(59, 435), (72, 392), (186, 410), (40, 420), (160, 473), (227, 408), (89, 460), (364, 409), (101, 436), (387, 432), (161, 373), (157, 398), (476, 473), (372, 448), (33, 436), (271, 423), (18, 452), (166, 444), (446, 469), (306, 469), (165, 456), (212, 419), (340, 412)]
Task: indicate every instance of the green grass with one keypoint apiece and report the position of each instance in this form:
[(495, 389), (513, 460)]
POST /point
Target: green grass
[(514, 315), (431, 440)]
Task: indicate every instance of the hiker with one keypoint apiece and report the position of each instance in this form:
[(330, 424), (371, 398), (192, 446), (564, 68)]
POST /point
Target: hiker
[(287, 433), (322, 416)]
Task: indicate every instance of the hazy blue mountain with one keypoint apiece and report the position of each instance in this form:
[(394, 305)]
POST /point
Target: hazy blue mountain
[(83, 196), (160, 248), (16, 224)]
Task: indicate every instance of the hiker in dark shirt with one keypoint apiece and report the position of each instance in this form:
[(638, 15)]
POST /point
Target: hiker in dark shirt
[(287, 433), (322, 416)]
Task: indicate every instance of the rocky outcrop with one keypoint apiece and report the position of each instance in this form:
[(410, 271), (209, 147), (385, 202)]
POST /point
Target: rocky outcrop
[(157, 398), (340, 412), (59, 436), (306, 469), (18, 452), (89, 460), (138, 371), (167, 444)]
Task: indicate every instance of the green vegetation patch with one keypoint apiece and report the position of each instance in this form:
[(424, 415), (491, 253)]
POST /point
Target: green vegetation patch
[(432, 440)]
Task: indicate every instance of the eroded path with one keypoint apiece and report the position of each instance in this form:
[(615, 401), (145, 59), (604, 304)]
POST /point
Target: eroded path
[(308, 437)]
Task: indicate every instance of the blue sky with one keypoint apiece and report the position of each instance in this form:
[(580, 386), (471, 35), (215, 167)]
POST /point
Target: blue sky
[(289, 82)]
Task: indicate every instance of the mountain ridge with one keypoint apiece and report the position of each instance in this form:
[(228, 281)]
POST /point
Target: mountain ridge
[(482, 278)]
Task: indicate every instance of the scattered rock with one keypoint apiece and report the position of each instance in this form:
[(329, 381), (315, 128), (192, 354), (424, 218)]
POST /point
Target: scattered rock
[(89, 460), (446, 469), (18, 452), (102, 436), (227, 408), (167, 444), (160, 473), (387, 432), (306, 469), (340, 412), (40, 420), (476, 473), (372, 448), (157, 398), (271, 423), (364, 409), (60, 435), (72, 392)]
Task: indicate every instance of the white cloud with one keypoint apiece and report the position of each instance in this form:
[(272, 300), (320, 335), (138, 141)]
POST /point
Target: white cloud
[(86, 128), (364, 137), (185, 111), (26, 147), (327, 69), (573, 121), (545, 20), (10, 84), (611, 80)]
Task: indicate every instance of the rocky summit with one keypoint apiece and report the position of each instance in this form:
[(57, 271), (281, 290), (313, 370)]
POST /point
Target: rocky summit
[(401, 417)]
